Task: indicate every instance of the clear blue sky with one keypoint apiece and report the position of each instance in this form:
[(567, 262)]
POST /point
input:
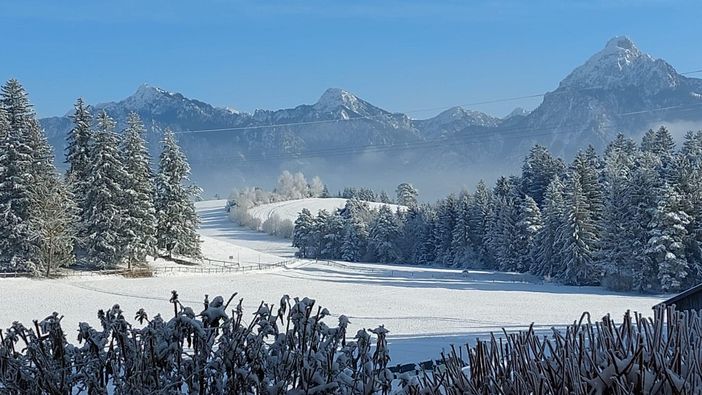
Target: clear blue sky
[(400, 55)]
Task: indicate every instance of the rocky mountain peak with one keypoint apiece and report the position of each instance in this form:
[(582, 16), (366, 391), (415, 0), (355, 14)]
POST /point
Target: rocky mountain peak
[(335, 98), (621, 64)]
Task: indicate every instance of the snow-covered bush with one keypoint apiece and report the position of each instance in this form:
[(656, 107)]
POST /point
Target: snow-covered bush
[(276, 226), (289, 187), (290, 348)]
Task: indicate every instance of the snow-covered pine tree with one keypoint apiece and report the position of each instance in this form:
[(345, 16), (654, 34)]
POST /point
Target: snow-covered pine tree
[(103, 232), (17, 250), (538, 170), (443, 232), (406, 194), (25, 163), (648, 141), (384, 198), (480, 211), (687, 181), (618, 248), (643, 185), (577, 237), (462, 247), (412, 228), (333, 237), (529, 225), (622, 144), (383, 235), (508, 245), (319, 233), (78, 149), (666, 245), (176, 232), (138, 188), (325, 192), (355, 233), (492, 238), (546, 255), (586, 167), (302, 234)]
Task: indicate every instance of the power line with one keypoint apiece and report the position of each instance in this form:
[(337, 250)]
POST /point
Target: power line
[(506, 134), (385, 115)]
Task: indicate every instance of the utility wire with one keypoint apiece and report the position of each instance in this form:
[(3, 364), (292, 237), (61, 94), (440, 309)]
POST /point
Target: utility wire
[(388, 114), (473, 138)]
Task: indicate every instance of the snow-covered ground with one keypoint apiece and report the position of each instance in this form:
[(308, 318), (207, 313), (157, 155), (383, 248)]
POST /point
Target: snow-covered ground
[(291, 208), (425, 309), (216, 224)]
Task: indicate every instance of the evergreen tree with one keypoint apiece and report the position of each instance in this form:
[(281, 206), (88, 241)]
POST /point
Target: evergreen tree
[(461, 243), (508, 246), (577, 237), (644, 185), (546, 255), (355, 233), (687, 181), (25, 166), (406, 195), (78, 148), (426, 248), (586, 168), (382, 236), (666, 245), (103, 232), (443, 232), (302, 233), (175, 210), (480, 212), (333, 238), (623, 145), (528, 226), (17, 249), (538, 170), (319, 233), (384, 198), (140, 216), (619, 247)]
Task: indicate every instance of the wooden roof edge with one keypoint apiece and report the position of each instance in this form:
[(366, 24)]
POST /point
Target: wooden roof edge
[(688, 292)]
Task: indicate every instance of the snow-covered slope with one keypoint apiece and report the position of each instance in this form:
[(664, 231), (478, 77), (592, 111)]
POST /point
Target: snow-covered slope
[(290, 209)]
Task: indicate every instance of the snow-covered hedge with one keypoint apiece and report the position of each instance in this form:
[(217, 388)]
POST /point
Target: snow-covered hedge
[(290, 348)]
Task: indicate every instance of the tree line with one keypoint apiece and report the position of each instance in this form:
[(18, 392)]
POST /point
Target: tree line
[(629, 219), (109, 209)]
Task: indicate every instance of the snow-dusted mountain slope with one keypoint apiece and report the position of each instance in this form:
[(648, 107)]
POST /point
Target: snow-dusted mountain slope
[(341, 136), (291, 209)]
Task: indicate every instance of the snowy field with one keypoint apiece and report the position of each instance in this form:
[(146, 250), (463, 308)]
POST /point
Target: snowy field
[(425, 309), (291, 208)]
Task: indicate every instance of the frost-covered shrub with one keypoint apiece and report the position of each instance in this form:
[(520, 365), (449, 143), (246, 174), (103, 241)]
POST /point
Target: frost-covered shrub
[(288, 347), (291, 349), (276, 226)]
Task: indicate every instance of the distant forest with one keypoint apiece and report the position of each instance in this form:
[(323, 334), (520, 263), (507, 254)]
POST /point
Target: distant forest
[(629, 219)]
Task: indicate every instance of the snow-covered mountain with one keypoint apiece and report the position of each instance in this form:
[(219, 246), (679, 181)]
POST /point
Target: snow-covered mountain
[(454, 120), (618, 89)]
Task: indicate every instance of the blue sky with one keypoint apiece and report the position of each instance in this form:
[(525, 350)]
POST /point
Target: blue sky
[(400, 55)]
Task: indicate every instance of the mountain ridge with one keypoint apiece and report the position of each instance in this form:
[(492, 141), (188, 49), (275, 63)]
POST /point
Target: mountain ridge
[(618, 89)]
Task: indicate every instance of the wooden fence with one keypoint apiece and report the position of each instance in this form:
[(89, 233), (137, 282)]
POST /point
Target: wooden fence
[(195, 269)]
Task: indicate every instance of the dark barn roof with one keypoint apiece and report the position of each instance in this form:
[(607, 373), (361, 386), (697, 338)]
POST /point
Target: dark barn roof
[(694, 292)]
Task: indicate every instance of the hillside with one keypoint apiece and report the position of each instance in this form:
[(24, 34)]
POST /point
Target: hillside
[(289, 210)]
